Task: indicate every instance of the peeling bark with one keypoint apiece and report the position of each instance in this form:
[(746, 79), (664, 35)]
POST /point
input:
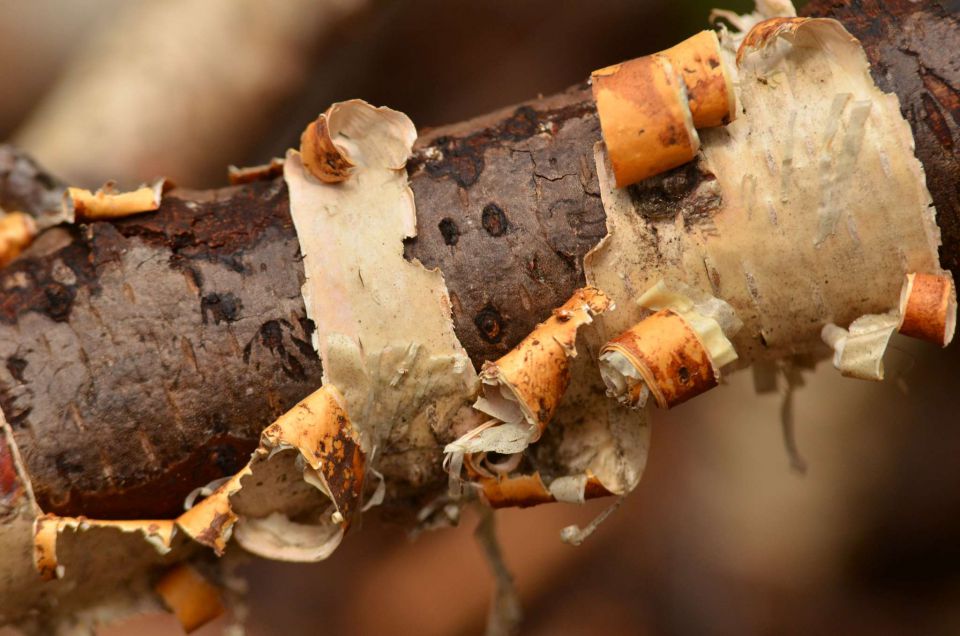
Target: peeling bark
[(142, 357), (912, 51)]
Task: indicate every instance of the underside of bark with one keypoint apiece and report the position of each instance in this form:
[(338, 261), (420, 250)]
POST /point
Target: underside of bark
[(142, 357)]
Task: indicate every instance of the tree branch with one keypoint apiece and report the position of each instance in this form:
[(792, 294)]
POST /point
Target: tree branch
[(142, 357)]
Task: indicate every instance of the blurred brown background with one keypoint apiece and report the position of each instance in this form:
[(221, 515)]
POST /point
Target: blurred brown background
[(721, 536)]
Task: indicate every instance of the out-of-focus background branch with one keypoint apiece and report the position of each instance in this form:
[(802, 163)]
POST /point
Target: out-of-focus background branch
[(721, 536)]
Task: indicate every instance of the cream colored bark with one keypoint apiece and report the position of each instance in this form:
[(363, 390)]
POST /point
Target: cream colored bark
[(819, 207), (383, 326)]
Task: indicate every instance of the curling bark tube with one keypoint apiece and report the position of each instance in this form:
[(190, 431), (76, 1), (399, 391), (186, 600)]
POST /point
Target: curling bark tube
[(650, 107), (704, 71), (928, 308), (671, 361), (645, 117)]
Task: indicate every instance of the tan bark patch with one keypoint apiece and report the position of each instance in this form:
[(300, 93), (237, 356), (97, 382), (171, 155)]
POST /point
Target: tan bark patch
[(820, 167), (383, 325)]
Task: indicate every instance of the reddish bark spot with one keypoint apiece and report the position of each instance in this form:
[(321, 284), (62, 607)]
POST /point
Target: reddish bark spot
[(214, 531), (490, 324), (945, 95), (449, 230), (494, 220), (10, 486), (937, 122)]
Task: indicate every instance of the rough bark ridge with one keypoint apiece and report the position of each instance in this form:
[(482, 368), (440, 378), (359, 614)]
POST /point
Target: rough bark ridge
[(141, 358)]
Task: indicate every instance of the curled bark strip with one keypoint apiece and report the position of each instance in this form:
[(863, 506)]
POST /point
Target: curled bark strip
[(325, 475), (17, 231), (699, 62), (645, 118), (669, 358), (521, 390), (191, 597), (928, 308), (764, 32), (320, 430), (631, 360), (491, 465), (211, 521), (596, 450), (265, 171), (282, 519), (521, 490), (354, 133), (532, 378), (106, 203), (324, 160), (97, 535), (858, 351)]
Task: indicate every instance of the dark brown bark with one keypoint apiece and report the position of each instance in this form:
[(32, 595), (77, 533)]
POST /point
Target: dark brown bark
[(507, 215), (142, 357), (162, 343), (25, 186)]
